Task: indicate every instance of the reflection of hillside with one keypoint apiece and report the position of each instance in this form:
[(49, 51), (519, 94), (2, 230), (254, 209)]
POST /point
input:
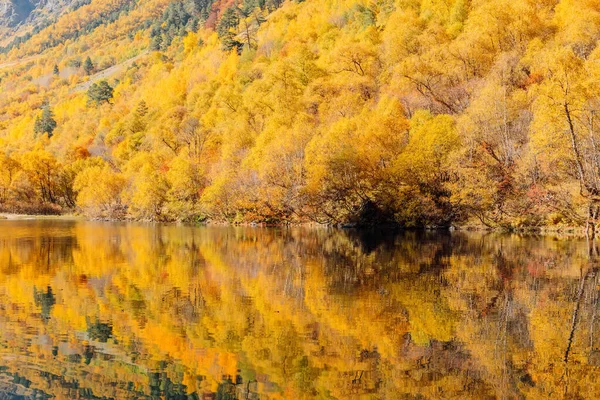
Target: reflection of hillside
[(40, 246), (119, 310)]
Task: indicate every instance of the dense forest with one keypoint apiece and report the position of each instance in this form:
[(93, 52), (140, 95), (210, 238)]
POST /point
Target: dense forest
[(409, 112)]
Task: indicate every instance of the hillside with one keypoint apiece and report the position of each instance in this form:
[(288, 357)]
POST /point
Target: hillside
[(14, 12), (17, 12), (411, 112), (21, 17)]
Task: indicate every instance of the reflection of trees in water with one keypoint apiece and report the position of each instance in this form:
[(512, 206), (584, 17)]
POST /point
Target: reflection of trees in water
[(525, 311), (45, 300), (581, 344), (13, 386), (387, 258), (507, 321), (162, 387), (100, 331), (138, 306), (305, 312), (44, 253)]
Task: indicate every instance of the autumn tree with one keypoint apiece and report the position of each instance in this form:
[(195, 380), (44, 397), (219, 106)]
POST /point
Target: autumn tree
[(42, 170), (8, 170), (99, 190)]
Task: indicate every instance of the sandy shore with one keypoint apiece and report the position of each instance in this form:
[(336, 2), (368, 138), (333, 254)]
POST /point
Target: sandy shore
[(8, 216)]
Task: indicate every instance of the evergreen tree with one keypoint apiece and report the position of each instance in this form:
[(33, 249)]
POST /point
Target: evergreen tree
[(138, 124), (142, 109), (229, 22), (56, 71), (88, 66), (178, 19), (99, 93), (156, 43), (227, 29), (46, 122)]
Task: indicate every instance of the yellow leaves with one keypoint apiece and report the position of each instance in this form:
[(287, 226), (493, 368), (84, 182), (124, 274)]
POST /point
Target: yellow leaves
[(220, 196), (495, 118), (39, 162), (277, 162), (355, 58), (228, 68), (385, 131), (190, 42), (458, 15), (99, 190), (321, 105), (432, 139), (181, 176), (8, 169), (326, 153), (562, 95), (436, 9), (578, 24), (185, 184), (146, 192), (350, 161)]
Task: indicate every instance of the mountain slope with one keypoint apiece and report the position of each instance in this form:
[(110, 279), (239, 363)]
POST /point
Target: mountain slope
[(13, 12), (18, 16), (413, 112)]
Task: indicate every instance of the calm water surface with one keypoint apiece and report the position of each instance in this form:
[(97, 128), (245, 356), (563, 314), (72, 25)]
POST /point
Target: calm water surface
[(124, 311)]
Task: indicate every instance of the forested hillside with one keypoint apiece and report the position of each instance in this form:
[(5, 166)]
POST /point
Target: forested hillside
[(412, 112)]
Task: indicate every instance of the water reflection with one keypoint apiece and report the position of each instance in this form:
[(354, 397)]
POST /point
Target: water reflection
[(98, 310)]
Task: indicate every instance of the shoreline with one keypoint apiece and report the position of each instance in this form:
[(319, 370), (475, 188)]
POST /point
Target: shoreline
[(571, 231), (16, 217)]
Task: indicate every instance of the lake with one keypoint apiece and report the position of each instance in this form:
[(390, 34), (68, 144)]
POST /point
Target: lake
[(131, 311)]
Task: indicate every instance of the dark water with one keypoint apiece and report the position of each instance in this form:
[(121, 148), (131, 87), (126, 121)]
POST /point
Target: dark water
[(122, 311)]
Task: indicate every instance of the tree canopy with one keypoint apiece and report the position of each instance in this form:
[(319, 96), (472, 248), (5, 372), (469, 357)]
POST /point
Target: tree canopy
[(418, 113)]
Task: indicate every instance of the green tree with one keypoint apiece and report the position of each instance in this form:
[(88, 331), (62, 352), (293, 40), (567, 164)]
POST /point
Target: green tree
[(88, 66), (227, 29), (99, 93), (45, 123), (156, 43)]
